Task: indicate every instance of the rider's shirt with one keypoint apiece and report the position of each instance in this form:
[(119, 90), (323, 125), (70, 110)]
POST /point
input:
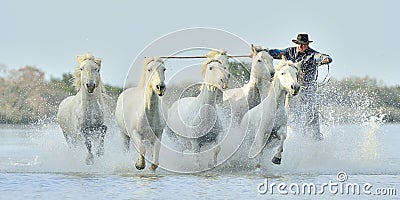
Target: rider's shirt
[(309, 61)]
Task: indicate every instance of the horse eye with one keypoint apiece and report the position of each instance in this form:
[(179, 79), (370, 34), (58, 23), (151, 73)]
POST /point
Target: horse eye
[(164, 69), (210, 68), (81, 69), (98, 70), (148, 70), (282, 73), (259, 60)]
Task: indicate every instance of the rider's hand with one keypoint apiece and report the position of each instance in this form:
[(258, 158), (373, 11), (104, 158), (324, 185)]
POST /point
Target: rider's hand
[(325, 61)]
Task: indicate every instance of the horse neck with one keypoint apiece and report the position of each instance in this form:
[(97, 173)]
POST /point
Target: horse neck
[(276, 93), (150, 100), (90, 99), (260, 84), (92, 106)]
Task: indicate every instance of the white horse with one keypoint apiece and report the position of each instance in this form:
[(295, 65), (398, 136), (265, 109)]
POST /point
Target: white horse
[(82, 116), (252, 93), (138, 112), (268, 120), (193, 121)]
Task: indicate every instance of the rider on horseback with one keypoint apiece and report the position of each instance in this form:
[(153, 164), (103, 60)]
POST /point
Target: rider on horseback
[(309, 60)]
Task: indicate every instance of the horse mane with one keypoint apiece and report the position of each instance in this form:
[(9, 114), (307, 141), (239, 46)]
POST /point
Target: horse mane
[(285, 62), (143, 77), (260, 48), (210, 57), (77, 73)]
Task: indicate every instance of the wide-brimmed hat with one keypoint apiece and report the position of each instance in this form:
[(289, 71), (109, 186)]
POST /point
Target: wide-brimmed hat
[(302, 39)]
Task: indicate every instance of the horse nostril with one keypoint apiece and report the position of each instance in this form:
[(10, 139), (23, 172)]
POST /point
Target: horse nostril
[(162, 87), (292, 87), (229, 76)]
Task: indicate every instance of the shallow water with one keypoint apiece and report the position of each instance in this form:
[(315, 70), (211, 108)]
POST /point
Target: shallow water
[(35, 163)]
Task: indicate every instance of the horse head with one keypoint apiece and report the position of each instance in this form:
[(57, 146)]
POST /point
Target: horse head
[(215, 69), (287, 73), (262, 62), (155, 73), (88, 72)]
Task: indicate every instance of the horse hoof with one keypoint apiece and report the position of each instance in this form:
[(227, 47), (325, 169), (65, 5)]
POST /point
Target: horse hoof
[(276, 160), (212, 163), (89, 159), (153, 167), (139, 166)]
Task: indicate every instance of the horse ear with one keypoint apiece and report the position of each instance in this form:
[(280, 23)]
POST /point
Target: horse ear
[(98, 61), (80, 59), (253, 50)]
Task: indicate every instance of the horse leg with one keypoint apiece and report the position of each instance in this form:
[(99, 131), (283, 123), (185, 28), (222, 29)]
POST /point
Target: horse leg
[(156, 152), (103, 130), (86, 131), (137, 139), (213, 162), (68, 139), (196, 149), (282, 136), (258, 162), (125, 142)]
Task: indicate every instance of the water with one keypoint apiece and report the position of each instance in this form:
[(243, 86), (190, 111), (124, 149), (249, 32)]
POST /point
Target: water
[(35, 163)]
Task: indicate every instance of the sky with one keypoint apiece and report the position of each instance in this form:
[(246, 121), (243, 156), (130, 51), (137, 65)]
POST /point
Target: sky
[(362, 37)]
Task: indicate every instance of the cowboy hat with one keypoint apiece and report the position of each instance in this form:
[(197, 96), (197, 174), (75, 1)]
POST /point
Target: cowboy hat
[(302, 39)]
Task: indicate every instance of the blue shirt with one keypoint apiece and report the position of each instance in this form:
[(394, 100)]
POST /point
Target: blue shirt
[(309, 61)]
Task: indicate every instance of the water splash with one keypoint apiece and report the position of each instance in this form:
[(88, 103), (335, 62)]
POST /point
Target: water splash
[(370, 146), (353, 143)]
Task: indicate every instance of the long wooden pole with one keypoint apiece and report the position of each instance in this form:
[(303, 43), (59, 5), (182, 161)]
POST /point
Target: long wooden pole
[(189, 57)]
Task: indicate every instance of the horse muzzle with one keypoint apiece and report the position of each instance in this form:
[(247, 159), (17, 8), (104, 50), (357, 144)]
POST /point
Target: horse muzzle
[(90, 87), (295, 88), (161, 89), (224, 84)]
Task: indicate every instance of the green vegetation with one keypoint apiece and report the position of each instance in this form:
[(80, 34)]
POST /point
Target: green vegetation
[(27, 97)]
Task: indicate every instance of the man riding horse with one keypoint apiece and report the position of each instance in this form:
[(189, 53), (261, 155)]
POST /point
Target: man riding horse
[(309, 60)]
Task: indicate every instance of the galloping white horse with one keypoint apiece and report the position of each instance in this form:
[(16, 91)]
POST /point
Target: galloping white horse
[(138, 112), (268, 120), (252, 93), (193, 121), (81, 117)]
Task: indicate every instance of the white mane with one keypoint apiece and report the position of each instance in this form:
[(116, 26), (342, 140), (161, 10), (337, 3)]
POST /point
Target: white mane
[(143, 79), (77, 73)]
